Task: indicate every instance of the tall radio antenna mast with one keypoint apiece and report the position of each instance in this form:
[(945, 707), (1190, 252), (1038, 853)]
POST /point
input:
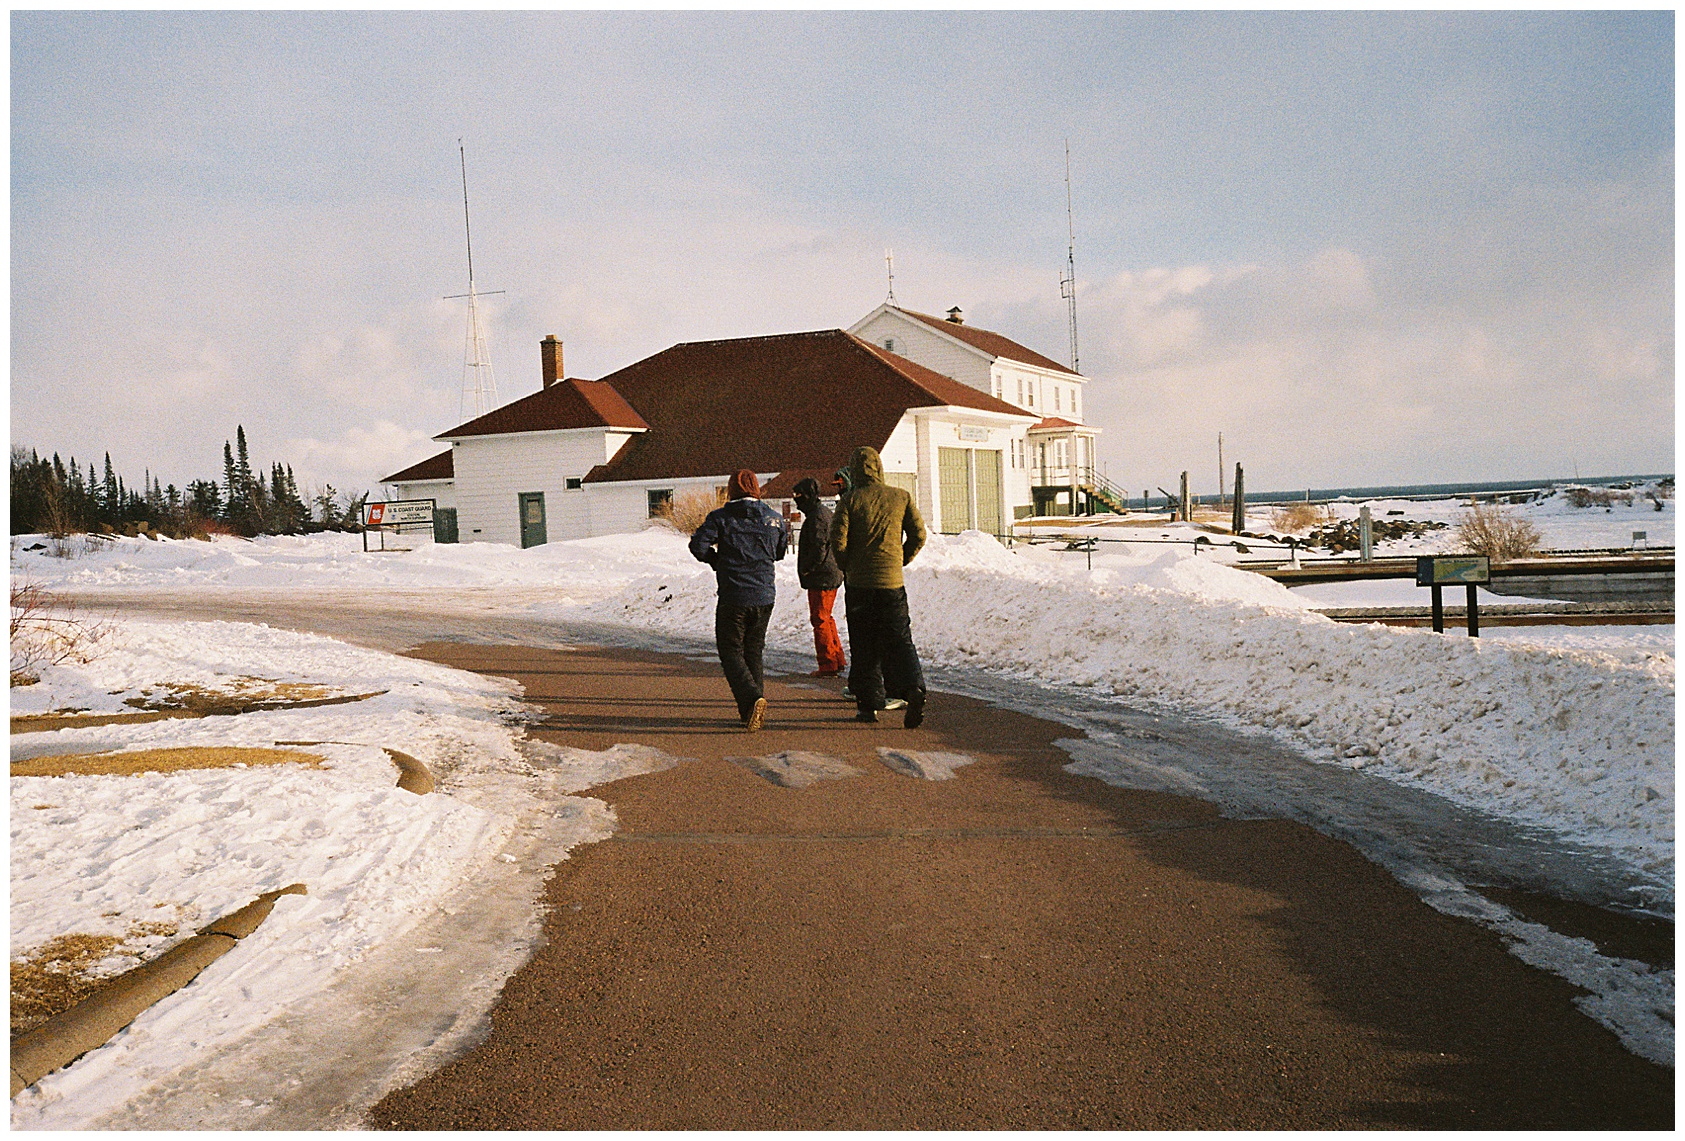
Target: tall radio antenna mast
[(1068, 283), (479, 384), (889, 259)]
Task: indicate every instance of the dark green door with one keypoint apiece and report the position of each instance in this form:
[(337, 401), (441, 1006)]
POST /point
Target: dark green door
[(532, 518)]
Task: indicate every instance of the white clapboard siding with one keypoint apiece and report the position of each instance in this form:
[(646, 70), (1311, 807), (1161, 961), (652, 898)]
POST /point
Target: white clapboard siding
[(921, 344), (1032, 388), (493, 471), (441, 491)]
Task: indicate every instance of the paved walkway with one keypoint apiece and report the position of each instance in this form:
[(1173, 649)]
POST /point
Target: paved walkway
[(1017, 947)]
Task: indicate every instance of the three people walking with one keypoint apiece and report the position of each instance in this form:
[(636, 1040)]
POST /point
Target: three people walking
[(875, 532), (742, 541)]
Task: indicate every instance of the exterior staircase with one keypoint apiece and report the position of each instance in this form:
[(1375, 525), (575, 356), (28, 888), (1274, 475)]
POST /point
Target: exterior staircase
[(1103, 494)]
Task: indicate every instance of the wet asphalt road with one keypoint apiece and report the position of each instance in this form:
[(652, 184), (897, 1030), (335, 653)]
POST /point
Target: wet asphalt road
[(1015, 948), (1019, 947)]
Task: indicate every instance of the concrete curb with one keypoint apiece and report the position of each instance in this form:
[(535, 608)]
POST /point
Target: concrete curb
[(93, 1021), (412, 774)]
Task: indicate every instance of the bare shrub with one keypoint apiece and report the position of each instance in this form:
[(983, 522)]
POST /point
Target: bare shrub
[(1487, 529), (47, 632), (1295, 517), (74, 546), (685, 512), (1596, 497)]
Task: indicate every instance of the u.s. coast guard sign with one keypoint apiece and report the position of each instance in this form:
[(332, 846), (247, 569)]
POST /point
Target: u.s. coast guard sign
[(395, 515), (398, 513)]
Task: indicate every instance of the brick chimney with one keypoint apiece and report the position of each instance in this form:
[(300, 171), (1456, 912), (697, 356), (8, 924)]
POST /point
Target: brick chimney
[(550, 355), (956, 316)]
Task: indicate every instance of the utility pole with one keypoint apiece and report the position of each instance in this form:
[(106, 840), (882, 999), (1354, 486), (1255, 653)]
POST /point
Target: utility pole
[(1219, 471)]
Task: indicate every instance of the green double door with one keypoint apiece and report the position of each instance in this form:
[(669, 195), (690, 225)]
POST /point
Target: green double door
[(969, 479)]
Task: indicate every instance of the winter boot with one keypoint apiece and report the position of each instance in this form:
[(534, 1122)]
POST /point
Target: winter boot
[(915, 710)]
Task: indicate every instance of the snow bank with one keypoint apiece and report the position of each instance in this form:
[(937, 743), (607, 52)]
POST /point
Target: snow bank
[(1579, 740), (1573, 733), (132, 856)]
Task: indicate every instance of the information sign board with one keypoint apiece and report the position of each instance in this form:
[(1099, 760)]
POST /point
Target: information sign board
[(1452, 570), (398, 513)]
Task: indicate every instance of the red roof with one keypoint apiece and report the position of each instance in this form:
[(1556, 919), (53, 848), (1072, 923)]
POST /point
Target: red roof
[(797, 402), (1054, 422), (440, 466), (565, 404), (992, 343)]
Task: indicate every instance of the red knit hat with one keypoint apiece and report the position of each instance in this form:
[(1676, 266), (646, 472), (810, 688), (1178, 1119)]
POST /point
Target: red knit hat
[(744, 485)]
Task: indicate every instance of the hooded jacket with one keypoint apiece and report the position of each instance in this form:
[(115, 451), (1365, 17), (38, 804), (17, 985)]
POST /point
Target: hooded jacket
[(876, 530), (816, 566)]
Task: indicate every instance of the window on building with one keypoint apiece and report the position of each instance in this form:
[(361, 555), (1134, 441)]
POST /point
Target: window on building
[(1032, 395), (1020, 392), (1059, 455), (1056, 398), (889, 343), (660, 502), (573, 484)]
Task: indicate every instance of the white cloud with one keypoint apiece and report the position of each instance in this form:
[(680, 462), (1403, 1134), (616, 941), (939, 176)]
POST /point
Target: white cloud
[(379, 448)]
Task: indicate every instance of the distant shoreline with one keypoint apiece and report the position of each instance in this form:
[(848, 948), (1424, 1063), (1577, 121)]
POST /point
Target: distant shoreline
[(1432, 490)]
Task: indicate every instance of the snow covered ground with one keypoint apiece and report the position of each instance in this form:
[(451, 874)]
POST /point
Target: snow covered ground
[(122, 855), (1570, 729)]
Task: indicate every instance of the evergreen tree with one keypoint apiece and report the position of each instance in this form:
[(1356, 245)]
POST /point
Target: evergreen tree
[(108, 499), (325, 504), (230, 484), (204, 499)]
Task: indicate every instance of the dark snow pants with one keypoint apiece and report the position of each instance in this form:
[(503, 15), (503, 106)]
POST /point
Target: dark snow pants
[(740, 637), (880, 640)]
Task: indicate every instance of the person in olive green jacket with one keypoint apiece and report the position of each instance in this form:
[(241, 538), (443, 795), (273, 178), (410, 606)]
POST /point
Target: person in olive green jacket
[(875, 532)]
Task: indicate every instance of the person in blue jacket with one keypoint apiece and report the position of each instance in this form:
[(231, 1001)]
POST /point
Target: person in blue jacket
[(741, 541)]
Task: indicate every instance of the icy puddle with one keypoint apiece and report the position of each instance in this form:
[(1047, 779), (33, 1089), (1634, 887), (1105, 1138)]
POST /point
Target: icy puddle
[(795, 768), (924, 766)]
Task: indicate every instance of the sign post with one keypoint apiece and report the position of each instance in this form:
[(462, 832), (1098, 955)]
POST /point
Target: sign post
[(1438, 571)]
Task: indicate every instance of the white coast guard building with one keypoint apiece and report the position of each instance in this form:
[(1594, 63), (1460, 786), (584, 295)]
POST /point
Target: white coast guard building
[(976, 427)]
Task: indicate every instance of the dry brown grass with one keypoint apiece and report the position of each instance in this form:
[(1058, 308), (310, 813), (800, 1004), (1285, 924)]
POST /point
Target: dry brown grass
[(1295, 517), (190, 701), (689, 508), (159, 761), (239, 694), (1487, 529), (62, 972), (48, 632)]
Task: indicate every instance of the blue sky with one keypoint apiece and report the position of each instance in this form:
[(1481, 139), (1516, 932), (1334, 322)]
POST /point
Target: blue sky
[(1367, 248)]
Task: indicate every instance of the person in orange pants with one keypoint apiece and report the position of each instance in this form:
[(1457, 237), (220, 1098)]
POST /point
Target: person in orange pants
[(819, 575)]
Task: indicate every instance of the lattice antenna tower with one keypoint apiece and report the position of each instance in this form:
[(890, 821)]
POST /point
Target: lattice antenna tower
[(479, 383), (1068, 282), (889, 260)]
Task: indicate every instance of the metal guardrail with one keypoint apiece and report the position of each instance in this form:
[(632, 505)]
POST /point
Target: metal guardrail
[(1583, 560)]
